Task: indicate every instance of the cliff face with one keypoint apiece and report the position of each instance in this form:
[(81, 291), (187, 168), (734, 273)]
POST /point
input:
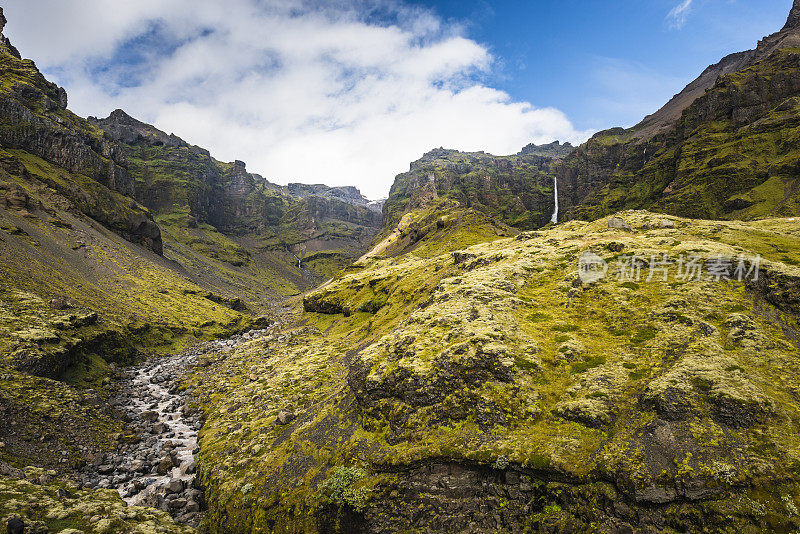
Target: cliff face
[(725, 147), (515, 190), (34, 120)]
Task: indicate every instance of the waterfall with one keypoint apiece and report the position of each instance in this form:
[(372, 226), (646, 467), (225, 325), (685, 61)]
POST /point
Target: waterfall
[(554, 218)]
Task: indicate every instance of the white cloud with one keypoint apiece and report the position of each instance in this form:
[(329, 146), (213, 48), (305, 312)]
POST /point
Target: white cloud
[(331, 91), (678, 14)]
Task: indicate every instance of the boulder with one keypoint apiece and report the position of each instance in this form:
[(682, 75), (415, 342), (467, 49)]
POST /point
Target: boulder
[(174, 486), (285, 417), (619, 224)]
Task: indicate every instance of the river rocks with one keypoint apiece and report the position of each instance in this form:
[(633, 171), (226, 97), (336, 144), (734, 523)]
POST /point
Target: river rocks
[(156, 467), (165, 465), (174, 486)]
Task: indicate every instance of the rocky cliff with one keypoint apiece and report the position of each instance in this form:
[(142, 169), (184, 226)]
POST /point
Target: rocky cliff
[(190, 193), (515, 190), (722, 148)]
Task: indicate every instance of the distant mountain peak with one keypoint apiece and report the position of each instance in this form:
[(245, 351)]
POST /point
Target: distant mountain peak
[(794, 17)]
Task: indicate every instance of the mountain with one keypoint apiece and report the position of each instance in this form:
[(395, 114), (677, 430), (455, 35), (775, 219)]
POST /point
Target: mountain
[(725, 147), (222, 211), (120, 242)]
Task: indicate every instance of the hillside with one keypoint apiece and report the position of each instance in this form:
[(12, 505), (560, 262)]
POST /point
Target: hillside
[(726, 147), (491, 389)]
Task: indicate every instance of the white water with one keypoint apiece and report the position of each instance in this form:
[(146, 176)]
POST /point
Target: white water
[(554, 218), (169, 411)]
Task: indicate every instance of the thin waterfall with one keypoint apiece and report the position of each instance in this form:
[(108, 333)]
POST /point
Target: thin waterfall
[(554, 218)]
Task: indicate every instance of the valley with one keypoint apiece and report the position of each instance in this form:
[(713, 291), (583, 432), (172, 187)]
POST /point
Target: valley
[(186, 346)]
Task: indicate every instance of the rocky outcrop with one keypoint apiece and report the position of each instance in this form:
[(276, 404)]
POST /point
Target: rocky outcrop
[(552, 150), (709, 152), (515, 190)]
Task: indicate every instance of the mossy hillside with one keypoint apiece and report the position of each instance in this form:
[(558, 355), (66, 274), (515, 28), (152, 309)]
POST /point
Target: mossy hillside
[(732, 154), (666, 396), (63, 508), (112, 209), (441, 226), (234, 265), (50, 423), (78, 300), (515, 190)]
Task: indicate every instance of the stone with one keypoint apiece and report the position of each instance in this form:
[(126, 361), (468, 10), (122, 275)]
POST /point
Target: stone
[(160, 428), (164, 465), (174, 486), (149, 415), (105, 469), (192, 507), (285, 417), (177, 504), (16, 198), (619, 224), (137, 466)]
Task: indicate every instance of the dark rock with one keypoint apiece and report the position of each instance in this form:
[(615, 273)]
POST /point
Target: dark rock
[(174, 486)]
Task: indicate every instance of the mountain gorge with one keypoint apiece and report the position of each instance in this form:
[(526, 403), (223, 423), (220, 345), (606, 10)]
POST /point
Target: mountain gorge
[(186, 346)]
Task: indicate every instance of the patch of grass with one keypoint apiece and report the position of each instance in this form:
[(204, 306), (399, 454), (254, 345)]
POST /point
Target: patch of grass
[(539, 317), (644, 334), (566, 328), (587, 364)]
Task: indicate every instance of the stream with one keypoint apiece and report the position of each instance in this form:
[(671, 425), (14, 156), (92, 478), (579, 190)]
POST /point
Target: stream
[(156, 467)]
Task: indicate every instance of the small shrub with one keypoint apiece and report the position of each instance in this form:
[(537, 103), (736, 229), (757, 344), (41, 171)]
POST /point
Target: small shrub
[(590, 363), (501, 463), (340, 488), (538, 317)]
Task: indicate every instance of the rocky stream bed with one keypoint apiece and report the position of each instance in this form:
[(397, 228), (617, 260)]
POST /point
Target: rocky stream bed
[(156, 466)]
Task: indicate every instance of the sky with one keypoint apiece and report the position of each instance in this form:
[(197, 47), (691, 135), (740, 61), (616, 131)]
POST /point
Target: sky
[(349, 92)]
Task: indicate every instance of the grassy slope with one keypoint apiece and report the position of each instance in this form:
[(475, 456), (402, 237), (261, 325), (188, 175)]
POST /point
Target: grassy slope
[(495, 357)]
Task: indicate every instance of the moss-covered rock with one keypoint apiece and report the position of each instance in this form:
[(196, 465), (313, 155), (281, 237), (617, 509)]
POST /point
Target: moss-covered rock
[(674, 410)]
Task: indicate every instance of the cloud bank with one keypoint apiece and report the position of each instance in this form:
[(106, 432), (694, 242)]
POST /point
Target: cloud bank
[(317, 91)]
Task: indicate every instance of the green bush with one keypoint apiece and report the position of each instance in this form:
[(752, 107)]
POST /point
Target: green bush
[(340, 488)]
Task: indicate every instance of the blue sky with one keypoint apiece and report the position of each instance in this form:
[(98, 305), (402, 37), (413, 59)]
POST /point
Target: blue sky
[(348, 92), (581, 55)]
